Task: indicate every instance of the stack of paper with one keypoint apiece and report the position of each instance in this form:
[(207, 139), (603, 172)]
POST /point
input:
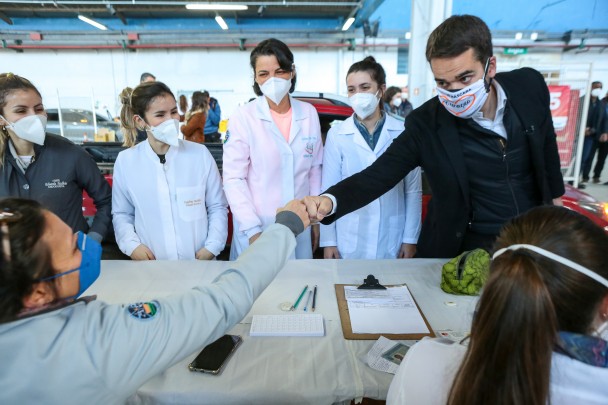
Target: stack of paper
[(390, 311)]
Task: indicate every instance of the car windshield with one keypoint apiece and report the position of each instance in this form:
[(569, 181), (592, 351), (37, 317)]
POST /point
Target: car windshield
[(79, 126)]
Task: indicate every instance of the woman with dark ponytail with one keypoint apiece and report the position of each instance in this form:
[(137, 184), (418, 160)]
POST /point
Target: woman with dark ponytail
[(388, 227), (540, 331)]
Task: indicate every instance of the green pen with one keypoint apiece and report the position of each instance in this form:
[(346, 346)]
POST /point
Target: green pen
[(294, 306)]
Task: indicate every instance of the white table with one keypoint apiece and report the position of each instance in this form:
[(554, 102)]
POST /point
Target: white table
[(278, 370)]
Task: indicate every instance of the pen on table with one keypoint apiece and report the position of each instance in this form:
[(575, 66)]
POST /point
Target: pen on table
[(294, 306), (314, 299), (307, 301)]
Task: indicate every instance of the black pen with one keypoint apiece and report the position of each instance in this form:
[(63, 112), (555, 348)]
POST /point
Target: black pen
[(314, 298)]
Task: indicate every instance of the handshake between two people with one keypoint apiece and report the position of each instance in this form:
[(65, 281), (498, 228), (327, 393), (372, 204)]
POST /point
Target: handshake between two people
[(310, 209)]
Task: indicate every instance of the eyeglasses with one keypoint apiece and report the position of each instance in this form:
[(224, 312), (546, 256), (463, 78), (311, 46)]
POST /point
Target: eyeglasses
[(7, 217)]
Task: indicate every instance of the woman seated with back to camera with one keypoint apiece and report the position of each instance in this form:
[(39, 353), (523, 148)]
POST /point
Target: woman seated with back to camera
[(540, 331), (59, 349)]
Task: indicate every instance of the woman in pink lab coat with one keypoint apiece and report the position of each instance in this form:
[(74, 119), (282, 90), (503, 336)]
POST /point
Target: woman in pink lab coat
[(273, 151)]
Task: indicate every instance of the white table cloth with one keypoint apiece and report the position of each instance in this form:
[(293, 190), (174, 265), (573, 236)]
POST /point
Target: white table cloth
[(278, 370)]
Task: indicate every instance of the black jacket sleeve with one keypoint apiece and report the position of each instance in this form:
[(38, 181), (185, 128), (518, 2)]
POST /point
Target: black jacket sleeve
[(96, 186)]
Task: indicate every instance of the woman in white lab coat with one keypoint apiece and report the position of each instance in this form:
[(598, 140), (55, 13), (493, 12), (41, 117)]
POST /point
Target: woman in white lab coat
[(273, 151), (388, 227), (167, 198)]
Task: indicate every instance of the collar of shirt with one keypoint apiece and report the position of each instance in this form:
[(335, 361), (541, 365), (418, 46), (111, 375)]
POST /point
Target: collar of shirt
[(496, 125), (371, 139)]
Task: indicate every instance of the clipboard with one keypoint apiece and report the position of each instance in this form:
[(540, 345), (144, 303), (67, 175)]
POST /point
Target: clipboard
[(347, 330)]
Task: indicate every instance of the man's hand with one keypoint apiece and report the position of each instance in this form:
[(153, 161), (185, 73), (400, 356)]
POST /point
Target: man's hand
[(407, 251), (298, 208), (558, 202), (254, 238), (204, 254), (604, 137), (142, 252), (318, 207), (331, 252)]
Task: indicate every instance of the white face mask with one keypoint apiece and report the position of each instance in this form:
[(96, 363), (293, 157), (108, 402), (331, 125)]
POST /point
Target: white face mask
[(166, 132), (397, 102), (364, 104), (31, 128), (596, 92), (464, 103), (276, 88)]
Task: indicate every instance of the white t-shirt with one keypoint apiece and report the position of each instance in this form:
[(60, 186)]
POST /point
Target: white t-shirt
[(428, 369)]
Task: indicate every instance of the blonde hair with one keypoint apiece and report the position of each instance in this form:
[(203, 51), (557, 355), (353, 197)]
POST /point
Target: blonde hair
[(10, 82), (136, 102)]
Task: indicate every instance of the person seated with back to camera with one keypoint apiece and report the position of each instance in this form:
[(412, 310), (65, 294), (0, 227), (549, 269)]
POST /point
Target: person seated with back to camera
[(66, 349), (167, 197), (540, 331)]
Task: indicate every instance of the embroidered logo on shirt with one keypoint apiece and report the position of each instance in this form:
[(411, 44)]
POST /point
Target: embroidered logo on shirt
[(309, 149), (227, 136), (144, 310), (191, 203), (56, 183)]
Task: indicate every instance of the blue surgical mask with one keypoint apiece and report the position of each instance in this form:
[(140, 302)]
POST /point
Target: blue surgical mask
[(90, 263)]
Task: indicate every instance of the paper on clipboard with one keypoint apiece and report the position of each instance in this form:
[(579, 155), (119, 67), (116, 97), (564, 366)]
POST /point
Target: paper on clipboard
[(394, 313)]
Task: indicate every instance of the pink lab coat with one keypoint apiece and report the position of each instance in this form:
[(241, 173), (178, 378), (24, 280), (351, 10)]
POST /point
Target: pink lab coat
[(262, 171)]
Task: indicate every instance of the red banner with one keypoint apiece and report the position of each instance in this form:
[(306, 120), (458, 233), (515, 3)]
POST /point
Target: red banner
[(564, 110)]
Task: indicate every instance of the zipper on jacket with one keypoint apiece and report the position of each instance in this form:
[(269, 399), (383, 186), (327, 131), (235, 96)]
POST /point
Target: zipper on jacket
[(503, 146)]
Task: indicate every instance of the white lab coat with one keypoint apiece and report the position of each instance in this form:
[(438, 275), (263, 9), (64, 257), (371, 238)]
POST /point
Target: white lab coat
[(175, 208), (377, 230), (427, 373), (262, 171)]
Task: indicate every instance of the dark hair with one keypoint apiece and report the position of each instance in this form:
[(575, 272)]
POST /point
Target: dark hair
[(528, 298), (458, 34), (390, 93), (30, 258), (8, 83), (146, 75), (596, 82), (183, 103), (369, 65), (281, 51), (199, 101), (136, 102)]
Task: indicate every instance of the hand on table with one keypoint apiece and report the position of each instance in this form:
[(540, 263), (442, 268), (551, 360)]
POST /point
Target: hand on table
[(142, 252)]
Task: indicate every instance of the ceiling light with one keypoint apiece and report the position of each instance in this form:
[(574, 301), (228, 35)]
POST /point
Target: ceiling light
[(213, 7), (348, 23), (220, 21), (408, 35), (92, 22), (519, 36), (534, 36)]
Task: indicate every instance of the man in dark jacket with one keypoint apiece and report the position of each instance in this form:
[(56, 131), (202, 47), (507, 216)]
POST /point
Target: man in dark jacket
[(486, 144), (595, 133)]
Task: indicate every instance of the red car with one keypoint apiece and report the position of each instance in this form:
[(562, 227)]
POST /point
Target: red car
[(332, 109)]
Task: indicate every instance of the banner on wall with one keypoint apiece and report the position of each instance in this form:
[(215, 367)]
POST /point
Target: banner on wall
[(564, 104)]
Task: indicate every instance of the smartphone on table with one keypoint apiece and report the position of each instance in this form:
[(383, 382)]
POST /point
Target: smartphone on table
[(214, 356)]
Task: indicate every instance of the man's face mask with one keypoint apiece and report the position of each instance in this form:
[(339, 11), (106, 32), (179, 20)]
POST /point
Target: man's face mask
[(31, 128), (464, 103), (89, 264)]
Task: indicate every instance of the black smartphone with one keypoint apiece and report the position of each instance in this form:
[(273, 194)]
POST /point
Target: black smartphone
[(215, 355)]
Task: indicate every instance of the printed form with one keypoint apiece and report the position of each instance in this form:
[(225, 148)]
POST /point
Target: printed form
[(390, 311)]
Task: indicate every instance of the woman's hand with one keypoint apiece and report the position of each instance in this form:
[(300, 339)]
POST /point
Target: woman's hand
[(407, 251), (142, 252), (331, 252), (204, 254)]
